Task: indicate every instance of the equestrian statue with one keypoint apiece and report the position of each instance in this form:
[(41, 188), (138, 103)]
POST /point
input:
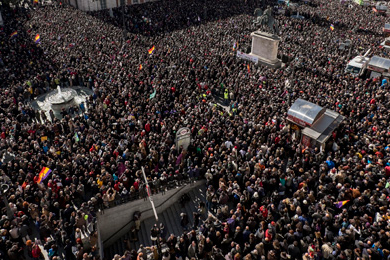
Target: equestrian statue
[(266, 18)]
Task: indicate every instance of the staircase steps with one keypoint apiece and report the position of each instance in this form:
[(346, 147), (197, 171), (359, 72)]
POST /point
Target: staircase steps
[(170, 217)]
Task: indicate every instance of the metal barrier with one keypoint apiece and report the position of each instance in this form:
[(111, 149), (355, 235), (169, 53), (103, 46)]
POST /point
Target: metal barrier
[(143, 194)]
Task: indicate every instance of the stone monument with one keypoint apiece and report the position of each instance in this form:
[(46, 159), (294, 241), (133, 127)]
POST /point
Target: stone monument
[(265, 44)]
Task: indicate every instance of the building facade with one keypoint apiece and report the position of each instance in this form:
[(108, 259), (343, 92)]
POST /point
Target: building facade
[(95, 5)]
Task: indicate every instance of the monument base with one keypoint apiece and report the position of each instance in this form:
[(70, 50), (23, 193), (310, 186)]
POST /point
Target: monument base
[(265, 48), (269, 63)]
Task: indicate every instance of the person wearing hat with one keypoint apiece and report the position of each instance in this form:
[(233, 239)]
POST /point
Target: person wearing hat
[(29, 248)]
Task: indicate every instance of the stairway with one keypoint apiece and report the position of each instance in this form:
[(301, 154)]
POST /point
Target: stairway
[(170, 217)]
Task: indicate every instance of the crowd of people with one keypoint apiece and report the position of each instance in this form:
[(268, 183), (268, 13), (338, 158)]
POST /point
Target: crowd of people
[(285, 196)]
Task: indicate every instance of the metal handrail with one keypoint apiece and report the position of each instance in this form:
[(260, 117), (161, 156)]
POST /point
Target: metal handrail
[(169, 186)]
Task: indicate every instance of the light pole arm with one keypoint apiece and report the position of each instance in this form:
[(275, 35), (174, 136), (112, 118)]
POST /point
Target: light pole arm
[(148, 192)]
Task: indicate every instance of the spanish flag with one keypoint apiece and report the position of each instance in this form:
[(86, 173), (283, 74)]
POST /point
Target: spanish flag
[(35, 1), (37, 38), (151, 50), (14, 34), (43, 174)]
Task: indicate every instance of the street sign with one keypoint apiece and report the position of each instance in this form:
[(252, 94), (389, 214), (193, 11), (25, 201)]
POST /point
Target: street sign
[(183, 138)]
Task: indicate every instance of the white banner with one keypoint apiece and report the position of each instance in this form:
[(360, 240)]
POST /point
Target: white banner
[(249, 57)]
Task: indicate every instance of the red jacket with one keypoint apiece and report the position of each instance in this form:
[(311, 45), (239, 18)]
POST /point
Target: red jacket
[(36, 251)]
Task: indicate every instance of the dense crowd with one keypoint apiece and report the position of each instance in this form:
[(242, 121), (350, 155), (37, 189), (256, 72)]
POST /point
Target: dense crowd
[(284, 195)]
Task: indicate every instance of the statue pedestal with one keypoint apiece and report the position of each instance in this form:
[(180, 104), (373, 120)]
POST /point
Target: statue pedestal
[(265, 48)]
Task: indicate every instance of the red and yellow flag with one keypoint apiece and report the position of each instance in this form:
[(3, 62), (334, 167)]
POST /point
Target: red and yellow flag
[(151, 50)]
